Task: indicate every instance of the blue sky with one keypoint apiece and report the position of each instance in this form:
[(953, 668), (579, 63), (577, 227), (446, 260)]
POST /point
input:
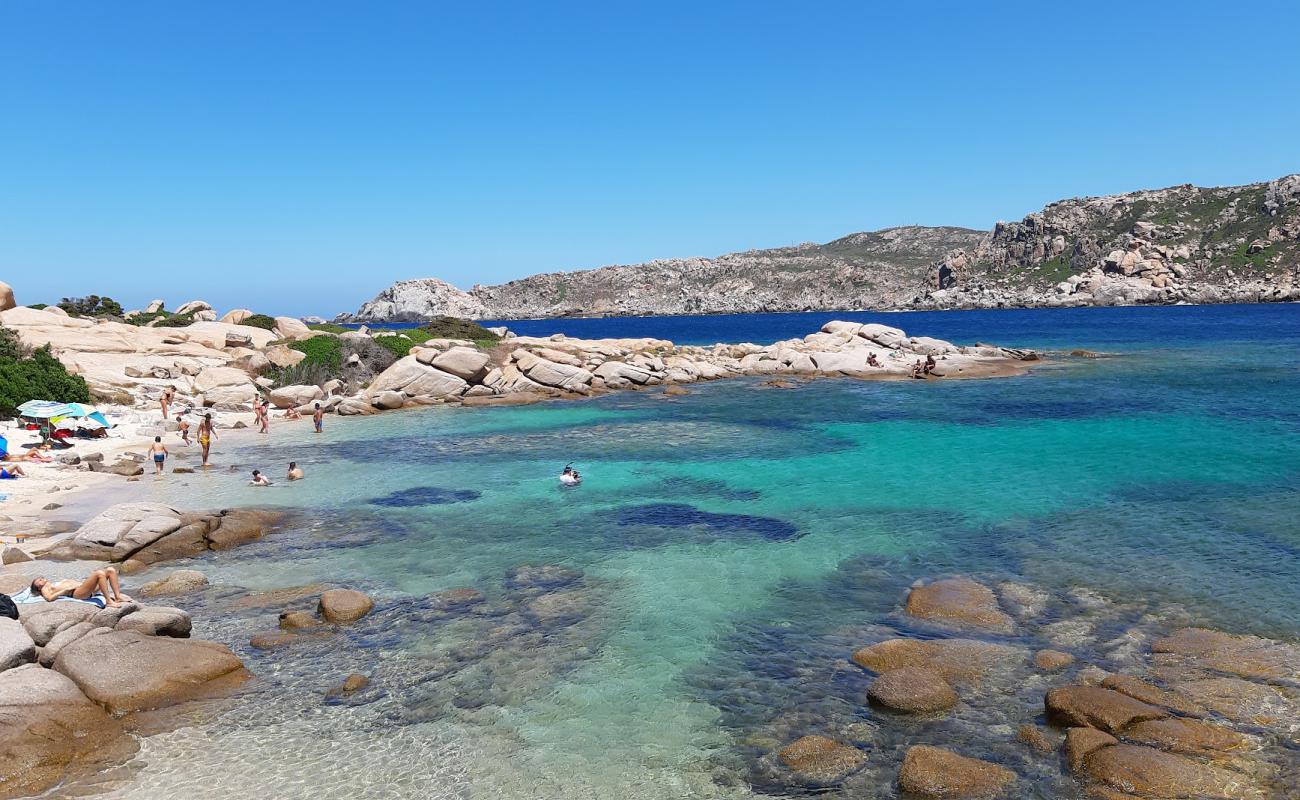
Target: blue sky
[(296, 157)]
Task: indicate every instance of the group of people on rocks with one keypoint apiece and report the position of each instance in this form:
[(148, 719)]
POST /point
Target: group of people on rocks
[(923, 369), (207, 432)]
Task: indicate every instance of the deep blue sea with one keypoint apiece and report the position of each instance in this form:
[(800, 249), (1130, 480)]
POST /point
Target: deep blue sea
[(730, 548)]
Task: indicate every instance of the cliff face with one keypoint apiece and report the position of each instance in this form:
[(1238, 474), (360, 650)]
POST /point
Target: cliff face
[(1181, 244)]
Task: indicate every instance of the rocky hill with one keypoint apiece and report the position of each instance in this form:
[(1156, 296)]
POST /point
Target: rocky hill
[(1181, 244), (858, 271)]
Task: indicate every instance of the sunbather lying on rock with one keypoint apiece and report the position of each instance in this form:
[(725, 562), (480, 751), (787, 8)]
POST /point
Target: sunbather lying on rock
[(31, 455), (101, 588)]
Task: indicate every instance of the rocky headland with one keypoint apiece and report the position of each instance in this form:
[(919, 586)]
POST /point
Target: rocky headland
[(223, 367), (1183, 244)]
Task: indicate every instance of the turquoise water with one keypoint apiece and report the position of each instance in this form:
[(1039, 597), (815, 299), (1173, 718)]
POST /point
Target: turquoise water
[(728, 550)]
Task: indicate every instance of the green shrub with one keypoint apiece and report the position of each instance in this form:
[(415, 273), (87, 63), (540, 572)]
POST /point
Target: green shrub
[(39, 306), (401, 342), (453, 328), (91, 306), (324, 350), (40, 377), (11, 347), (260, 321), (175, 320), (166, 319)]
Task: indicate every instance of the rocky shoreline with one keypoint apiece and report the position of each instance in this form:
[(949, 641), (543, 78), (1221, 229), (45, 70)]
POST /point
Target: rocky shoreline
[(971, 688), (79, 684), (224, 366)]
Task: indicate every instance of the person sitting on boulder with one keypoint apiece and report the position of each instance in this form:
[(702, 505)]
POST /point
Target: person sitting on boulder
[(292, 413), (918, 369), (101, 588), (871, 360), (259, 479), (930, 365)]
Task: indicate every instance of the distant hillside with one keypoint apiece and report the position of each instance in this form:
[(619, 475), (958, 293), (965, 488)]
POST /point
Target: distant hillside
[(855, 271), (1181, 244)]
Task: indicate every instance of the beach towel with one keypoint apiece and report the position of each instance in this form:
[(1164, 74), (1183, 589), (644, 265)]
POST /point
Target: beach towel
[(26, 597)]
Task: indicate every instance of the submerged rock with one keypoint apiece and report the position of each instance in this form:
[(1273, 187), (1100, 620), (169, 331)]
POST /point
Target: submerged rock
[(350, 685), (1095, 707), (1147, 772), (914, 690), (1186, 736), (543, 576), (182, 581), (933, 772), (298, 620), (821, 761), (344, 605), (1052, 660), (956, 660), (960, 601)]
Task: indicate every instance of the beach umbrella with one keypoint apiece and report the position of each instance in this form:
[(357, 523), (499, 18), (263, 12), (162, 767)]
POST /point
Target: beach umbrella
[(92, 424), (43, 409), (65, 424)]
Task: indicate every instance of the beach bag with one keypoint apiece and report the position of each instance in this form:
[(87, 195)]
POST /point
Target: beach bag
[(7, 607)]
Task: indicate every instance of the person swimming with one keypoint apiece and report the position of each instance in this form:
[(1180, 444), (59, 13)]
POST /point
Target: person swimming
[(259, 479)]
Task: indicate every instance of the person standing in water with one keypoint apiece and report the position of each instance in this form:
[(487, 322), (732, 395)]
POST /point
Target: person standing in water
[(183, 428), (207, 432), (263, 416), (295, 471), (318, 418), (159, 452)]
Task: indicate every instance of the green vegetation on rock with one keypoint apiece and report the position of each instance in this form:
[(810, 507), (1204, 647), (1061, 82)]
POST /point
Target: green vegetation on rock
[(91, 306), (453, 328), (259, 321), (35, 376)]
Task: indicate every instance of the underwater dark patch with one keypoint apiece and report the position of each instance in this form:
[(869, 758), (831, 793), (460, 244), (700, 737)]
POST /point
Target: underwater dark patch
[(680, 515), (425, 496), (701, 487)]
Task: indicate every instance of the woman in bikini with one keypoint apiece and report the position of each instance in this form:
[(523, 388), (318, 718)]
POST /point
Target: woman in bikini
[(168, 395), (101, 588)]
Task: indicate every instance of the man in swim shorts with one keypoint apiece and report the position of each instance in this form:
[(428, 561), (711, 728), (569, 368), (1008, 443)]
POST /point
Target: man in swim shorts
[(318, 418), (207, 432), (159, 452)]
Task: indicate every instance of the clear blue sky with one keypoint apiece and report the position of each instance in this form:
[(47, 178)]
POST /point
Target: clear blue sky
[(296, 157)]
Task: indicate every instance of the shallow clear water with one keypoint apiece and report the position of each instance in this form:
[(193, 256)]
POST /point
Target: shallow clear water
[(734, 546)]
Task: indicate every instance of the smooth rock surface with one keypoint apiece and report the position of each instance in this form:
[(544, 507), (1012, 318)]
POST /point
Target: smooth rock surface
[(129, 671)]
